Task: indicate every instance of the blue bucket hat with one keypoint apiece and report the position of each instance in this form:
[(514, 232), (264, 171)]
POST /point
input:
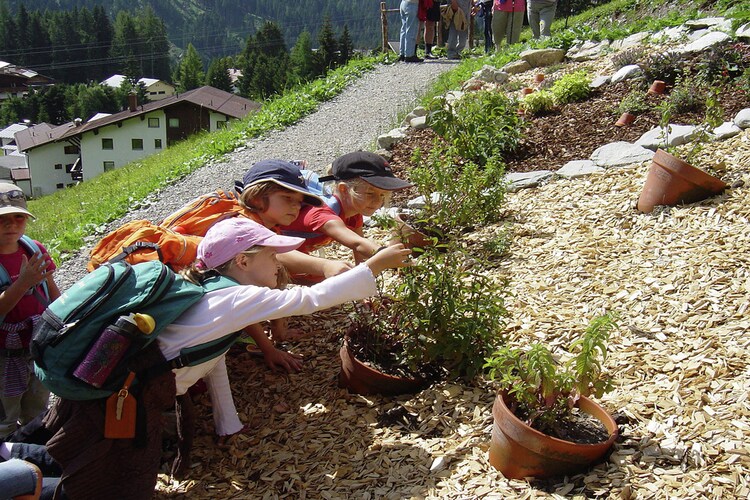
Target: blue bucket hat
[(281, 172)]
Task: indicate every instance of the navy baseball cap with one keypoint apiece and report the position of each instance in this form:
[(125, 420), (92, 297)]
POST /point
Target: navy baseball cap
[(281, 172), (370, 167)]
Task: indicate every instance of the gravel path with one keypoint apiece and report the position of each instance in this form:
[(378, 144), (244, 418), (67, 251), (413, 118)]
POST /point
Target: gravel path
[(351, 121)]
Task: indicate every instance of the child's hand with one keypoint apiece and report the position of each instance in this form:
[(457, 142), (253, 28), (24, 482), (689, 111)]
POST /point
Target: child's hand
[(391, 257), (335, 267), (33, 270), (278, 360)]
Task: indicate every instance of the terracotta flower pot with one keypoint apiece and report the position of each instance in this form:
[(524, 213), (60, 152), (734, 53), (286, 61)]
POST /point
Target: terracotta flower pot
[(539, 77), (409, 235), (519, 451), (671, 181), (360, 378), (657, 87), (527, 90), (625, 119)]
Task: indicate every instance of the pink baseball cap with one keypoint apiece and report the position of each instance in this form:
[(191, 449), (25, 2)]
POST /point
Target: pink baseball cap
[(230, 237)]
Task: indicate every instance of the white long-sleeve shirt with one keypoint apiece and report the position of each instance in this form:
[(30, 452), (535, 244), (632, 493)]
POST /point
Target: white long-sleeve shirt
[(228, 310)]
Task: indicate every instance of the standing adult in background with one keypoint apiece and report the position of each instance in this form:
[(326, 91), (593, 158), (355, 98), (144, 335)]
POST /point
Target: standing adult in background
[(458, 33), (431, 18), (407, 43), (507, 21), (483, 9), (541, 13)]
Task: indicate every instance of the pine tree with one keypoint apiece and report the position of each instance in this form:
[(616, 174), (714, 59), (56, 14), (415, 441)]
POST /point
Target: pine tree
[(8, 35), (156, 54), (327, 52), (301, 59), (103, 33), (191, 74), (124, 40), (346, 47), (218, 74), (265, 70)]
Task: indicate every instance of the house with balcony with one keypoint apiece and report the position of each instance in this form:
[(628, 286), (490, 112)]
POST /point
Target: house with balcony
[(60, 156), (155, 89), (16, 81)]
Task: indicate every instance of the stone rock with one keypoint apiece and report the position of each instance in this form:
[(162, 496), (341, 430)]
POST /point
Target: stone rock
[(588, 50), (472, 84), (419, 111), (523, 180), (600, 81), (743, 32), (542, 57), (710, 39), (725, 131), (631, 41), (515, 67), (453, 96), (385, 154), (620, 154), (671, 34), (658, 137), (629, 71), (715, 23), (579, 168), (490, 74), (387, 140), (418, 122), (742, 119)]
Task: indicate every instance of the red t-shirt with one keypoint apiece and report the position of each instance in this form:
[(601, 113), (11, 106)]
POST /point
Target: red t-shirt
[(309, 225), (29, 304)]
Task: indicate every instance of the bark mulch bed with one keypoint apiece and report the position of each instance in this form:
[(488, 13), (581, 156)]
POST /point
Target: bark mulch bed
[(679, 278)]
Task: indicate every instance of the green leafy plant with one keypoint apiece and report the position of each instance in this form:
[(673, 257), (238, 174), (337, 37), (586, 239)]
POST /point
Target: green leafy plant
[(538, 103), (665, 66), (542, 392), (480, 125), (627, 57), (458, 194), (573, 87), (634, 102), (443, 317)]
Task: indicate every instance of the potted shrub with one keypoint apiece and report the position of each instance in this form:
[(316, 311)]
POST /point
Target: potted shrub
[(440, 319), (542, 411), (672, 180), (631, 106)]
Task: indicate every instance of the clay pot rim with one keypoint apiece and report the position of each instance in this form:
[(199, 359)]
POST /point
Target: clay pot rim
[(346, 349), (609, 423)]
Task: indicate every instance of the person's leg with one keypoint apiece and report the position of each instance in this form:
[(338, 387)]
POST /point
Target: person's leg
[(18, 477), (12, 407), (452, 43), (463, 37), (36, 454), (402, 33), (546, 16), (533, 14), (488, 32), (34, 401), (412, 28), (499, 22), (515, 25), (429, 38)]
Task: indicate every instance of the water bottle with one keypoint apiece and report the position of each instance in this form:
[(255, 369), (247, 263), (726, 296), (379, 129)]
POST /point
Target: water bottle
[(110, 348)]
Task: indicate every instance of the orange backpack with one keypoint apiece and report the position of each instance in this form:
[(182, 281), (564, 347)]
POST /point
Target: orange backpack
[(141, 241), (203, 212)]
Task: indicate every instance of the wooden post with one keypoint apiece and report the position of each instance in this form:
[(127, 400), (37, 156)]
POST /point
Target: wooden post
[(384, 27)]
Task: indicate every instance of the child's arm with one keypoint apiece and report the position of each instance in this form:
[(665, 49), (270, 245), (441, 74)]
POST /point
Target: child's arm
[(275, 359), (361, 246), (297, 262), (33, 271)]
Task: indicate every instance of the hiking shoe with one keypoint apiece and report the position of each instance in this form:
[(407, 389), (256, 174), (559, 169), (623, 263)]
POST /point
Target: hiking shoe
[(430, 56), (414, 59)]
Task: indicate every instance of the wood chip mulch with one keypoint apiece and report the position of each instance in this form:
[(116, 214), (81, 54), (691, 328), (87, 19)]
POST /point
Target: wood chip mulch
[(680, 280)]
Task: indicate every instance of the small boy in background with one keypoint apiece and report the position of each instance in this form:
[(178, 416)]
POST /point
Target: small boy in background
[(22, 301), (363, 184)]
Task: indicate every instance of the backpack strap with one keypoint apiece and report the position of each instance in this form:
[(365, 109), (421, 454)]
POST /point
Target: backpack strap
[(193, 356), (138, 245)]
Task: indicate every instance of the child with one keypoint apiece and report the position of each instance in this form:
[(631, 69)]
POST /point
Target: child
[(364, 183), (245, 252), (22, 396)]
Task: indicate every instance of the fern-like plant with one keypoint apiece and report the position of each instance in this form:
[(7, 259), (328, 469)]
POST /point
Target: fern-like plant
[(543, 393)]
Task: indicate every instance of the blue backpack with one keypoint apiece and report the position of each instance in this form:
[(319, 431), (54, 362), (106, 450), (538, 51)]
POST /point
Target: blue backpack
[(30, 247), (72, 324)]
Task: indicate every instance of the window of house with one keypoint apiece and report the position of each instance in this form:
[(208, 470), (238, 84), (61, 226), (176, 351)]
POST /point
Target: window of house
[(109, 165), (71, 150), (68, 168), (151, 93), (174, 122), (137, 144), (162, 92), (157, 143), (58, 166), (153, 123), (59, 185), (108, 144), (221, 124)]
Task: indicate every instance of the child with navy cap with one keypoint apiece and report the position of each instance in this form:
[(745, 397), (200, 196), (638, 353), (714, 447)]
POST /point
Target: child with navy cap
[(364, 183)]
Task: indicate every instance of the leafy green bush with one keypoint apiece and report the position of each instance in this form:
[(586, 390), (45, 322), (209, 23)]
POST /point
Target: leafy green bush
[(665, 66), (481, 125), (542, 393), (573, 87), (635, 103), (466, 194), (538, 103)]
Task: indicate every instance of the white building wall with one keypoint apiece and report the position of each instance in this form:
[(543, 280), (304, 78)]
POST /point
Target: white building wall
[(216, 118), (47, 167), (159, 90), (122, 152)]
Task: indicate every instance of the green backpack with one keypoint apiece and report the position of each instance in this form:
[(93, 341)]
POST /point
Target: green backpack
[(72, 324)]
